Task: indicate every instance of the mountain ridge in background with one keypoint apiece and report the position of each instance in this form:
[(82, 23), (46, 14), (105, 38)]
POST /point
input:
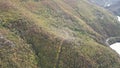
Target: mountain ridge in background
[(115, 8), (104, 3), (110, 5)]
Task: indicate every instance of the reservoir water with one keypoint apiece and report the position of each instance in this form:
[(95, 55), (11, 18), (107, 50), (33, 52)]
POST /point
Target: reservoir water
[(116, 47), (118, 18)]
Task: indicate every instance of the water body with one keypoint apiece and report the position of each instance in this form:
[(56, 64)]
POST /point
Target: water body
[(118, 18), (116, 47)]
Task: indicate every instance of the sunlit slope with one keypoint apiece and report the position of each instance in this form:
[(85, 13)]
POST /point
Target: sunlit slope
[(59, 34), (14, 52), (81, 14)]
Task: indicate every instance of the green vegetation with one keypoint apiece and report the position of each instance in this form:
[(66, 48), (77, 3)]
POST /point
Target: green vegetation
[(56, 34)]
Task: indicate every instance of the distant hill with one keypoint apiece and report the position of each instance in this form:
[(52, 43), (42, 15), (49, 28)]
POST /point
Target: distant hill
[(112, 5), (104, 3), (115, 8)]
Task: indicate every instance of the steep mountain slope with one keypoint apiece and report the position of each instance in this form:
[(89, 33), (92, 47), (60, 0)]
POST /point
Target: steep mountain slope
[(56, 34)]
